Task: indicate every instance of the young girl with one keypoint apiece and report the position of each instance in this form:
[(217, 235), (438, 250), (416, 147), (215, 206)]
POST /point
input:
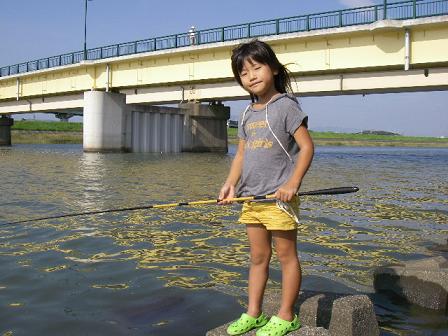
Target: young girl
[(274, 153)]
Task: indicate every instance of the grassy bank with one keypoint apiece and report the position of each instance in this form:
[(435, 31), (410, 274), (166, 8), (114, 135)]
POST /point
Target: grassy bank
[(349, 139), (36, 125), (45, 132), (31, 131), (45, 137)]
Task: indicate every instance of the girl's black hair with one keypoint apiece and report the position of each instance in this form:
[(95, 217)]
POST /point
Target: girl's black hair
[(262, 53)]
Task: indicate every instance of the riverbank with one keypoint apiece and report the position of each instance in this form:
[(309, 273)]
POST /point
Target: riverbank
[(46, 132), (364, 140), (45, 137), (43, 132)]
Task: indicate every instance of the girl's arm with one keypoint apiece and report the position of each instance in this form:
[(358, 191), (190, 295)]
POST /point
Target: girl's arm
[(228, 189), (305, 143)]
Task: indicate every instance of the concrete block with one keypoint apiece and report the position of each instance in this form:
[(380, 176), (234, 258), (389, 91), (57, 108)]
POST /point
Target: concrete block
[(440, 247), (311, 331), (324, 314), (353, 315), (303, 331), (315, 309), (422, 282)]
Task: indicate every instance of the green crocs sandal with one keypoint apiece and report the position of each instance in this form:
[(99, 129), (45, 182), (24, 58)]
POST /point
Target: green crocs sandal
[(278, 327), (246, 323)]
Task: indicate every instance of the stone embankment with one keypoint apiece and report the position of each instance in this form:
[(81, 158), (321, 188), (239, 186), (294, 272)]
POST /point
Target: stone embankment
[(324, 314), (421, 282)]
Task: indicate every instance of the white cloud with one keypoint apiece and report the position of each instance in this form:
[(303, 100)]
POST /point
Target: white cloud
[(357, 3)]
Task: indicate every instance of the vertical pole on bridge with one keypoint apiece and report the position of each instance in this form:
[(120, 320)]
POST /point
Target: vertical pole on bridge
[(85, 30), (385, 10)]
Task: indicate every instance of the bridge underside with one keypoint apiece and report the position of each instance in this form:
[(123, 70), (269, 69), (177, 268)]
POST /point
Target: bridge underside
[(72, 103), (432, 79), (435, 79)]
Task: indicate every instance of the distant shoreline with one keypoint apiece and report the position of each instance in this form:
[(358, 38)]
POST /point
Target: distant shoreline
[(368, 143), (41, 132), (45, 137), (364, 140), (63, 137)]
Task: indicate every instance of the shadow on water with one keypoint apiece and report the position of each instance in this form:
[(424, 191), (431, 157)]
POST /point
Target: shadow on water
[(399, 317)]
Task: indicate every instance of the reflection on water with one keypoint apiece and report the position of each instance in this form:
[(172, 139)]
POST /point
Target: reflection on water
[(149, 271), (89, 177)]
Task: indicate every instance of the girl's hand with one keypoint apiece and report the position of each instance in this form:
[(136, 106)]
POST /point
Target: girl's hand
[(227, 191), (287, 191)]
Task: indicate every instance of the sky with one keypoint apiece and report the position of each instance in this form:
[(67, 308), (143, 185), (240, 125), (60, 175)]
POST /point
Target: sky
[(31, 30)]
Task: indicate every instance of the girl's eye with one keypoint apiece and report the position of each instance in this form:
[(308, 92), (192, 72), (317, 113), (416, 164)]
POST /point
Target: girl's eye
[(244, 73)]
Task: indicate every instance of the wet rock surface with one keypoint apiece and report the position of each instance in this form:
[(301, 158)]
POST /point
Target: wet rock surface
[(423, 282)]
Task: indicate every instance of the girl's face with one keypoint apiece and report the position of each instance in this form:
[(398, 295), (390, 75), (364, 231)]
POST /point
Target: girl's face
[(258, 79)]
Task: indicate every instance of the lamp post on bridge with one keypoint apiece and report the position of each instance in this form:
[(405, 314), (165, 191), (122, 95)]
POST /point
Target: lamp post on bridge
[(85, 29)]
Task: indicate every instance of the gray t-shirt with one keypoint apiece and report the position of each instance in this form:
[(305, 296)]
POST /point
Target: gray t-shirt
[(265, 165)]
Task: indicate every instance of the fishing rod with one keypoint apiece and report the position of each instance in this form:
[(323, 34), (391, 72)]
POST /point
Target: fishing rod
[(330, 191)]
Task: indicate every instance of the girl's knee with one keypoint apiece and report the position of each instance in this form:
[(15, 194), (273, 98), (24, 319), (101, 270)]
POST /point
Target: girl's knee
[(286, 256), (286, 247), (260, 258)]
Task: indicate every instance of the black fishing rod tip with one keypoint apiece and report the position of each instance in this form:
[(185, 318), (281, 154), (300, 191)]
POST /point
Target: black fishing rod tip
[(349, 189)]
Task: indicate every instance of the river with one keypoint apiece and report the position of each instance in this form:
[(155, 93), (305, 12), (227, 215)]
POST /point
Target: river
[(182, 271)]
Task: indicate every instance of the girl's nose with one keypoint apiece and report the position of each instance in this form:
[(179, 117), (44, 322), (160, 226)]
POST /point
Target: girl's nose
[(252, 75)]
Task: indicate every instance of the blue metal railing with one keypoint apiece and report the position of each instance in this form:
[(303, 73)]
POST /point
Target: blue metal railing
[(401, 10)]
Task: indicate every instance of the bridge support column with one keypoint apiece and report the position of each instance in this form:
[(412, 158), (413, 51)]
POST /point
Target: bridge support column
[(5, 130), (155, 129), (205, 127), (64, 117), (105, 116)]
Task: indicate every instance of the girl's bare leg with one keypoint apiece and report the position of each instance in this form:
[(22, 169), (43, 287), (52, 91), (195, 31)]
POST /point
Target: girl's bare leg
[(260, 254), (286, 247)]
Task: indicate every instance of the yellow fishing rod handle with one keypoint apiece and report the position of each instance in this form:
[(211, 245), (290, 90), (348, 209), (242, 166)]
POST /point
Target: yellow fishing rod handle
[(235, 199), (249, 198)]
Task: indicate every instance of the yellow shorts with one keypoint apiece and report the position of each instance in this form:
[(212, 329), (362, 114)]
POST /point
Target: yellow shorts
[(273, 215)]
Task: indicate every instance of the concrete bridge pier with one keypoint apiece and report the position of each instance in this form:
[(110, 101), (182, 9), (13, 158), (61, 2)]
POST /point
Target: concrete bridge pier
[(5, 130), (104, 122), (205, 127), (155, 129), (112, 126)]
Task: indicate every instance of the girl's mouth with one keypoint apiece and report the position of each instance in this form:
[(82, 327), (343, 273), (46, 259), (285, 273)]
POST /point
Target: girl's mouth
[(254, 84)]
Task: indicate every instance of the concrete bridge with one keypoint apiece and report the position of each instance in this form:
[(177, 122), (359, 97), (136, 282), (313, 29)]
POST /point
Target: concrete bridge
[(395, 48)]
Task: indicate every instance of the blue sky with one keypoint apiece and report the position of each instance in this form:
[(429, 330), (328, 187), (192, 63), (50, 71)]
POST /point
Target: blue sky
[(35, 29)]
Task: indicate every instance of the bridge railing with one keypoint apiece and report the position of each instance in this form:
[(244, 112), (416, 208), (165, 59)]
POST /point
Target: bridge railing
[(400, 10)]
